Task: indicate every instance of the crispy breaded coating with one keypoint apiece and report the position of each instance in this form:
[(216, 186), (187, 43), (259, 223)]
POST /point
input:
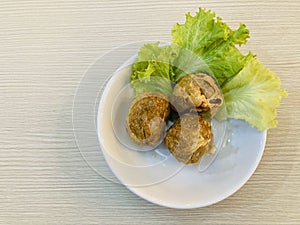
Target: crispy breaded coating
[(189, 138), (146, 120)]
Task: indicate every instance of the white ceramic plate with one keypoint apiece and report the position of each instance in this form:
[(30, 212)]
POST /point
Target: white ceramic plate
[(160, 179)]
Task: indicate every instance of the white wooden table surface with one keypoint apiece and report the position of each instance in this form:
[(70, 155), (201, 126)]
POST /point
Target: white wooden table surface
[(45, 47)]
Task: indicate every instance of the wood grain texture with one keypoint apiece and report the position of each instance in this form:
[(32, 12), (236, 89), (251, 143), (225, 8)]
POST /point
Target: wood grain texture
[(45, 47)]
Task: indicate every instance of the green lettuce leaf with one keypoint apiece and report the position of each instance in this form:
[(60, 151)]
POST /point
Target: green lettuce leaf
[(253, 95), (206, 44), (154, 70), (214, 42)]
